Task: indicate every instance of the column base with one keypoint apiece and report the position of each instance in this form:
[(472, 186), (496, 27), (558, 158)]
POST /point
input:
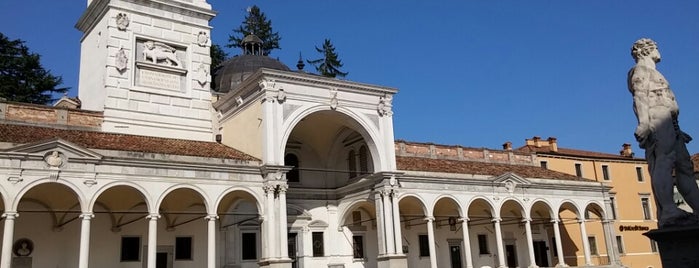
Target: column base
[(532, 266), (275, 263), (562, 265), (677, 245), (392, 261)]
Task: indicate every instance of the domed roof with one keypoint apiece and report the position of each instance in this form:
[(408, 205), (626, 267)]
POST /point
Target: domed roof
[(232, 72)]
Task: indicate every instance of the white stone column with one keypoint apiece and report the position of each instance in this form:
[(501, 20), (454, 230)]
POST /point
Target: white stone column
[(211, 241), (396, 223), (7, 238), (269, 223), (85, 240), (430, 239), (388, 222), (380, 234), (152, 239), (609, 237), (499, 243), (467, 243), (530, 242), (586, 244), (283, 233), (559, 245)]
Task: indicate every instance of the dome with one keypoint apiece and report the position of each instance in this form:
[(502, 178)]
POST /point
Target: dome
[(232, 72)]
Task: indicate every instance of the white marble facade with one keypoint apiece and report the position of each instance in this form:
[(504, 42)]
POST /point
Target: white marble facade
[(344, 203)]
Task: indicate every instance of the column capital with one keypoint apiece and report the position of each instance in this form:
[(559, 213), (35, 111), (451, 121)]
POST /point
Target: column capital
[(526, 219), (282, 188), (87, 216), (582, 220), (268, 188), (10, 215), (153, 216), (464, 219), (211, 217), (429, 219), (555, 220), (496, 219)]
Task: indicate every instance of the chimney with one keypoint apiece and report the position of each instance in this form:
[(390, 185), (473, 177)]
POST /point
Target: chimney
[(553, 144), (537, 141), (507, 146), (626, 150)]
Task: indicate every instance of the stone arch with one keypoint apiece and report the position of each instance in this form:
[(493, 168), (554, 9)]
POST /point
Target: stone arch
[(596, 208), (74, 188), (511, 204), (569, 205), (135, 186), (244, 189), (445, 197), (196, 189), (540, 204), (419, 200), (365, 128), (351, 207)]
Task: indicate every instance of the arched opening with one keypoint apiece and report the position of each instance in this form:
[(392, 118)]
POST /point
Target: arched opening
[(571, 238), (483, 240), (446, 213), (49, 224), (239, 229), (413, 214), (514, 238), (359, 224), (597, 241), (542, 234), (120, 227), (326, 145), (182, 228)]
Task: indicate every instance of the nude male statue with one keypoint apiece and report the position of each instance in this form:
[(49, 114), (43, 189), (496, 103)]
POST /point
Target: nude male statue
[(659, 133)]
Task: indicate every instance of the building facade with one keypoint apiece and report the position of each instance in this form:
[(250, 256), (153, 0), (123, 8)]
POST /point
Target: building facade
[(152, 168), (631, 203)]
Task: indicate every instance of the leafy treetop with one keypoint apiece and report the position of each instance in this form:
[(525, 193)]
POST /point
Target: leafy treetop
[(22, 78), (256, 23)]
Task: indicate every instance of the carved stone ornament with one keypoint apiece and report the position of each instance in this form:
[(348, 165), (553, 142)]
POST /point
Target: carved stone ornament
[(122, 21), (203, 39), (333, 99), (281, 95), (160, 53), (202, 74), (121, 61), (54, 159), (384, 106), (510, 186)]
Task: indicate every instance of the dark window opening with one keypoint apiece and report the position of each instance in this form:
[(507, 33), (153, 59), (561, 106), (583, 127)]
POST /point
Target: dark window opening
[(249, 246), (318, 247), (358, 246), (293, 161), (130, 248), (578, 170), (424, 246), (363, 160), (183, 248), (483, 244), (605, 172)]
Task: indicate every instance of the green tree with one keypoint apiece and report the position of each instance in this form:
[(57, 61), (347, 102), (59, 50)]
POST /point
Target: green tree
[(22, 78), (218, 56), (329, 65), (256, 23)]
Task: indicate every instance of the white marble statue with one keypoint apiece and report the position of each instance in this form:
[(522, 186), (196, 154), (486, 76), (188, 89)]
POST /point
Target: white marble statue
[(659, 133)]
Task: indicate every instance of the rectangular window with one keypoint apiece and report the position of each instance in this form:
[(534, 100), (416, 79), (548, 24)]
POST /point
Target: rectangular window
[(639, 174), (653, 246), (424, 246), (130, 248), (553, 246), (183, 248), (613, 205), (578, 169), (318, 247), (483, 244), (620, 244), (358, 246), (249, 246), (605, 172), (593, 245), (645, 205), (544, 164)]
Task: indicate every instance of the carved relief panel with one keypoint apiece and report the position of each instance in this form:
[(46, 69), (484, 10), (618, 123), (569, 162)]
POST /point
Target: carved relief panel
[(160, 65)]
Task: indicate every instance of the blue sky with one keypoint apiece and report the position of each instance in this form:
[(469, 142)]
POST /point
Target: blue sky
[(474, 73)]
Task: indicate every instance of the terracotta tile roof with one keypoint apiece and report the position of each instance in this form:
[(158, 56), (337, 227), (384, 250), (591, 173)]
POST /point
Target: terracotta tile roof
[(478, 168), (121, 142), (573, 152)]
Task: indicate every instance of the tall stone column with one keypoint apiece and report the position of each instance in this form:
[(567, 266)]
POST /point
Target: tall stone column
[(499, 243), (283, 233), (586, 244), (7, 238), (609, 237), (396, 223), (380, 226), (530, 242), (430, 239), (269, 223), (85, 240), (152, 239), (559, 245), (388, 222), (467, 242), (211, 241)]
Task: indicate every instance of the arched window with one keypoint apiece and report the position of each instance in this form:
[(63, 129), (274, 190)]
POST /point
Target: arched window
[(293, 174), (352, 164), (363, 160)]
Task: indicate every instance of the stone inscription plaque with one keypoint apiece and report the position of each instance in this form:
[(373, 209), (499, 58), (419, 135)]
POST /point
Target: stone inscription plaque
[(160, 80)]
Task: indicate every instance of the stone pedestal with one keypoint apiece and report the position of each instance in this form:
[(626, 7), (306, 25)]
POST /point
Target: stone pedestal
[(22, 262), (392, 261), (678, 246)]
